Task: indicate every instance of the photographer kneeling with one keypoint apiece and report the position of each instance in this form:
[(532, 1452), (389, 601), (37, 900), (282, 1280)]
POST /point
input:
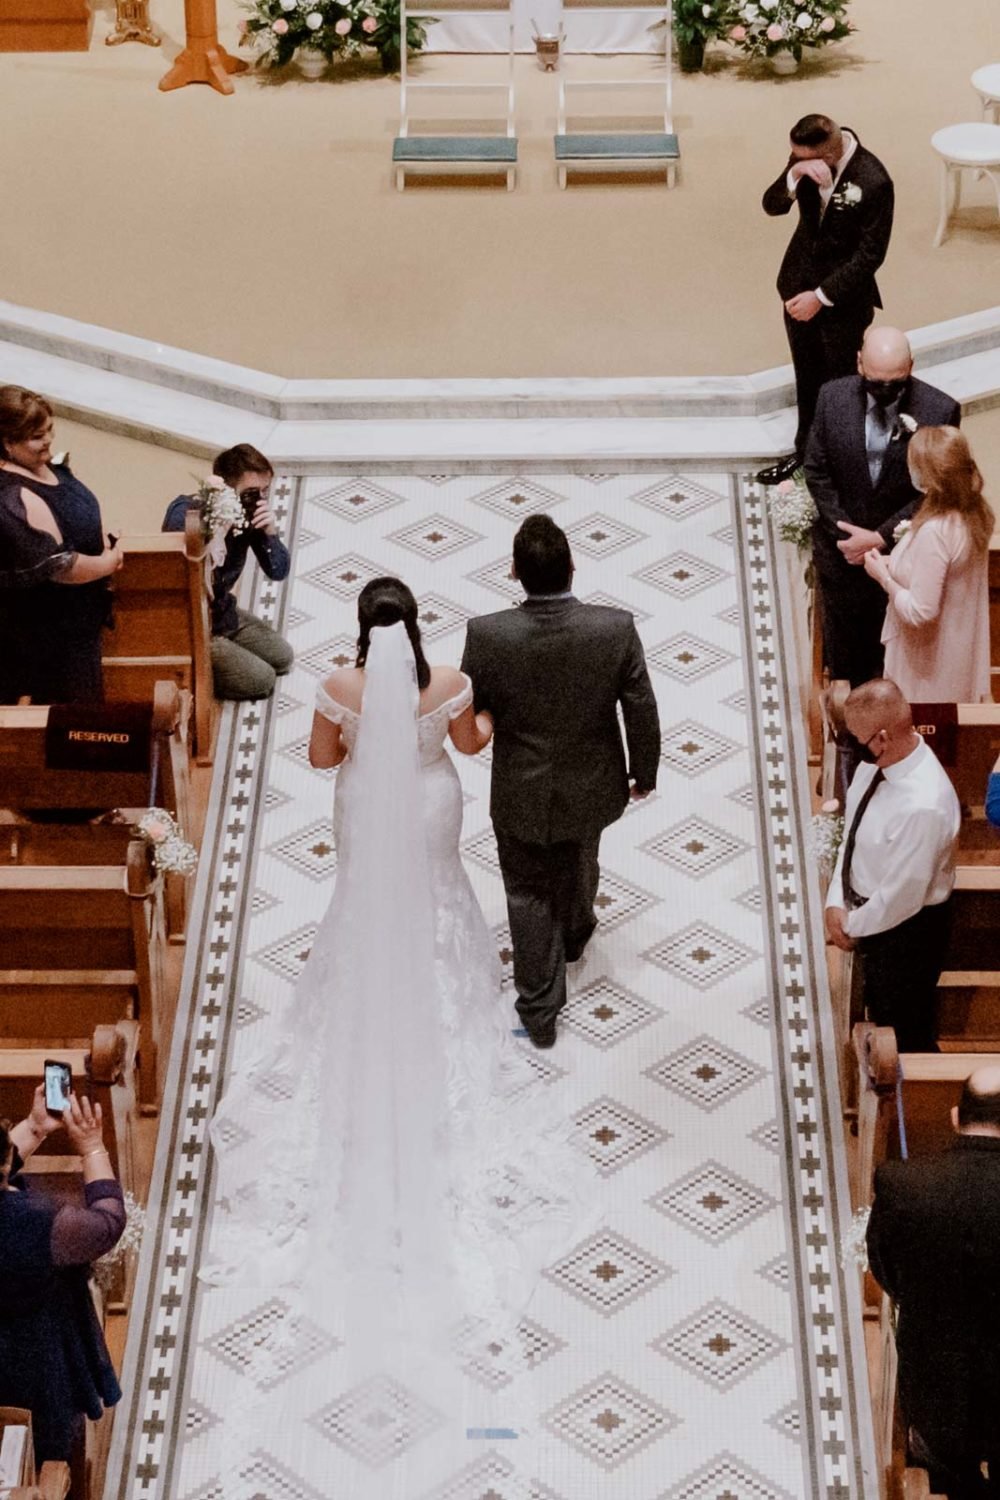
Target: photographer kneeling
[(53, 1358), (247, 655)]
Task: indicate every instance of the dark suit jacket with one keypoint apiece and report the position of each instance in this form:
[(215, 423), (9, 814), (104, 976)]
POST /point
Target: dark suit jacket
[(836, 462), (840, 251), (552, 673), (934, 1245)]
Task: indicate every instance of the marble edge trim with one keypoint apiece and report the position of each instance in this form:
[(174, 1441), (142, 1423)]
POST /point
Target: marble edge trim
[(285, 399)]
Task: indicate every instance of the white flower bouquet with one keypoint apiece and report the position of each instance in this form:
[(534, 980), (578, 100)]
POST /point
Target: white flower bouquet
[(106, 1270), (221, 507), (792, 510), (826, 834), (853, 1249), (172, 854), (768, 26)]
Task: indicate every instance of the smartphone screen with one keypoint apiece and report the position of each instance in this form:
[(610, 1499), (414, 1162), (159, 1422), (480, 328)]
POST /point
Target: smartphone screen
[(58, 1082)]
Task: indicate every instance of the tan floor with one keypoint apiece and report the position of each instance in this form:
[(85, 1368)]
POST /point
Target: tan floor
[(264, 228)]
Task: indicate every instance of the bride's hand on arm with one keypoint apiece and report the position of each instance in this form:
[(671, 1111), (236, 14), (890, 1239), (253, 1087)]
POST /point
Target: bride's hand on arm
[(471, 732), (326, 744)]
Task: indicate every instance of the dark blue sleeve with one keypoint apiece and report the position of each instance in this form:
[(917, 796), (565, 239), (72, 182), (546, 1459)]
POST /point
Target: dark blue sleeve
[(176, 512), (271, 553), (993, 799)]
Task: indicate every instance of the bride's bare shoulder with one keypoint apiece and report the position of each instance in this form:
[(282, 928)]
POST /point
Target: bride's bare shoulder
[(345, 686)]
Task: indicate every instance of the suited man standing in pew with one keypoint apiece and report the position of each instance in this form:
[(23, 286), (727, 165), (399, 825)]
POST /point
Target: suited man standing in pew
[(934, 1246), (891, 887)]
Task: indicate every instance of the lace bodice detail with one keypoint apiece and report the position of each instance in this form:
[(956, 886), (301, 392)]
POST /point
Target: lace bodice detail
[(432, 728)]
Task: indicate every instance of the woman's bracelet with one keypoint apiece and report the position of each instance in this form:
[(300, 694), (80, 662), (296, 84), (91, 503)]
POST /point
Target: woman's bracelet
[(96, 1151)]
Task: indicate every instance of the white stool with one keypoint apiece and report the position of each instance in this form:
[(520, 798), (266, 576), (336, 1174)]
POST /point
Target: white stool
[(986, 82), (972, 147)]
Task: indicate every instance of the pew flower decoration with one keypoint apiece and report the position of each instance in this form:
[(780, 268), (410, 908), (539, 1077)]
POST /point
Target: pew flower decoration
[(106, 1269), (221, 510), (772, 26), (172, 854), (826, 834), (853, 1248), (792, 510)]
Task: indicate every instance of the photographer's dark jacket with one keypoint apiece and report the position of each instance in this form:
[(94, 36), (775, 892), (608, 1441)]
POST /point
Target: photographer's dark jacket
[(270, 552)]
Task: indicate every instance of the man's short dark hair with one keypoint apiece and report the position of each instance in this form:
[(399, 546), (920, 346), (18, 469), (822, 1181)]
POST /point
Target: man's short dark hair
[(542, 559), (975, 1108), (813, 131), (243, 459)]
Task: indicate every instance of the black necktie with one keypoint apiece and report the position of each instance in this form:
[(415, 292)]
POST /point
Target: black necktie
[(851, 897)]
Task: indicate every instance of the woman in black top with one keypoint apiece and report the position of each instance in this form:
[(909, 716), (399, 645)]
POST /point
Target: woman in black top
[(53, 1358), (54, 565)]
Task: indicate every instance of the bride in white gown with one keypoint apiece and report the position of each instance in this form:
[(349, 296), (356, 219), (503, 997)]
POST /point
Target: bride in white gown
[(394, 1167)]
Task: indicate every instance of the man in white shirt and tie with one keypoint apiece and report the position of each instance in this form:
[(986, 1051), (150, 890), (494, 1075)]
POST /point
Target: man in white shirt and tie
[(890, 890)]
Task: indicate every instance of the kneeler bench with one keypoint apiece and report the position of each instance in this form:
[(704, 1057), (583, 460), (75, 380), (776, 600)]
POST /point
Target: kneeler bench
[(462, 152), (618, 149)]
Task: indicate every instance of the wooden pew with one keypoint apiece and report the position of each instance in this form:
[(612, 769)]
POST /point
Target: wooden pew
[(82, 945), (27, 785), (52, 1480), (922, 1087), (161, 629)]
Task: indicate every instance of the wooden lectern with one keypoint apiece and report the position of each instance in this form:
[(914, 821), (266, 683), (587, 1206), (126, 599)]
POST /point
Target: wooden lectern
[(204, 59)]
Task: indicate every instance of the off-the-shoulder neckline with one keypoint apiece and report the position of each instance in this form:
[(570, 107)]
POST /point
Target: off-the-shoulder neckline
[(356, 713)]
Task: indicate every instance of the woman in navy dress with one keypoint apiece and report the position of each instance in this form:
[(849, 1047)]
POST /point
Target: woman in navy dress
[(54, 564), (53, 1358)]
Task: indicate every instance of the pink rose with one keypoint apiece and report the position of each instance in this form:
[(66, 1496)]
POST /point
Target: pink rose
[(343, 26), (775, 33), (241, 29), (738, 34), (827, 23), (156, 832), (831, 807), (785, 487), (280, 26), (369, 24), (213, 482)]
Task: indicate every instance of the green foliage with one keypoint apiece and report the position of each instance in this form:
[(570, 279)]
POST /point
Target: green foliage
[(699, 20), (275, 29)]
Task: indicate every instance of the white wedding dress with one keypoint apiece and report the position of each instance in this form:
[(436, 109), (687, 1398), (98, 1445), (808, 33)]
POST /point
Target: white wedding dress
[(396, 1168)]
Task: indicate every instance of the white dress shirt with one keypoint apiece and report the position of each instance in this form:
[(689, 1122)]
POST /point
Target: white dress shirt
[(904, 852), (825, 194)]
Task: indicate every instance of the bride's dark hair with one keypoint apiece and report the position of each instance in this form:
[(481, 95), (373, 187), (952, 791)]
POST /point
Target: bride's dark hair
[(383, 601)]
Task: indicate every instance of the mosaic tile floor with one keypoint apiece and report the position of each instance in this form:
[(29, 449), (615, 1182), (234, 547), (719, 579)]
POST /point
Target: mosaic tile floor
[(700, 1345)]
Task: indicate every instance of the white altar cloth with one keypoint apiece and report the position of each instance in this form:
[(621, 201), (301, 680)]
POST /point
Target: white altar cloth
[(590, 29)]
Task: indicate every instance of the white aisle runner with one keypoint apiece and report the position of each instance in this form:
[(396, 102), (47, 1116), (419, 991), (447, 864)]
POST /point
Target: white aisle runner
[(698, 1346)]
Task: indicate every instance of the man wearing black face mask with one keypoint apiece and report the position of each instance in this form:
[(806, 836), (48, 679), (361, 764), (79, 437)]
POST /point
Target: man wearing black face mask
[(889, 893), (857, 474)]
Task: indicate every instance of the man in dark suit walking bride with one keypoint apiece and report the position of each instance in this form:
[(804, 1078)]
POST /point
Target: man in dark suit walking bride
[(552, 675)]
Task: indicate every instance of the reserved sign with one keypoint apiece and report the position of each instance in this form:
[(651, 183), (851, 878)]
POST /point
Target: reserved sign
[(98, 737)]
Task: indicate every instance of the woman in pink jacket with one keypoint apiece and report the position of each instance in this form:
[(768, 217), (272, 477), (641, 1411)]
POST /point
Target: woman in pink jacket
[(937, 626)]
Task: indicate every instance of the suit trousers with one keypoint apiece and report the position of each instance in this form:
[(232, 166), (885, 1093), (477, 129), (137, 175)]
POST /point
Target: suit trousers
[(957, 1475), (550, 906), (823, 349), (901, 969), (852, 612)]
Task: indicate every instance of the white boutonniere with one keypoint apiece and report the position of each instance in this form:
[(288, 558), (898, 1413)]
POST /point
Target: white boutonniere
[(904, 424), (898, 532), (849, 196)]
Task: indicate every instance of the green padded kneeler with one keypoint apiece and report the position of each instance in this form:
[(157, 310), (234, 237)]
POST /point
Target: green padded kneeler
[(642, 146), (472, 148)]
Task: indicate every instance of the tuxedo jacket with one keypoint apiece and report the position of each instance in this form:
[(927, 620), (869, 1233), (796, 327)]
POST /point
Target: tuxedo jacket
[(838, 250), (934, 1245), (553, 673), (836, 461)]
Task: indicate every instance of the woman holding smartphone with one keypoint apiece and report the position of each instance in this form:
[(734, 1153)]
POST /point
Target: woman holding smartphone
[(53, 1358)]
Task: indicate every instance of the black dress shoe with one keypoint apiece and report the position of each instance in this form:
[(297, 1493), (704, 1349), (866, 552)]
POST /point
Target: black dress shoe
[(780, 471), (542, 1036), (574, 946)]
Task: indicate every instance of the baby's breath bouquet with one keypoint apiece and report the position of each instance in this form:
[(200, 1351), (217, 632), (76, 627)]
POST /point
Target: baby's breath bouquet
[(221, 508), (853, 1247), (172, 854), (793, 510), (826, 833), (107, 1270)]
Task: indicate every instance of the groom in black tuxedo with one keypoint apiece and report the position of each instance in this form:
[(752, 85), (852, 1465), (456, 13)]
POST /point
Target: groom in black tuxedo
[(552, 675), (827, 277)]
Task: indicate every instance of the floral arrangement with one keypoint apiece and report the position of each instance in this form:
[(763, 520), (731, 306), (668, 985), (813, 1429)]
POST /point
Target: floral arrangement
[(826, 834), (792, 510), (900, 530), (106, 1269), (697, 21), (221, 508), (761, 28), (853, 1248), (275, 29), (172, 854)]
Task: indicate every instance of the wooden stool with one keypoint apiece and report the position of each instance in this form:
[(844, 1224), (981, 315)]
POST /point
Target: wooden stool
[(971, 147), (986, 82)]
